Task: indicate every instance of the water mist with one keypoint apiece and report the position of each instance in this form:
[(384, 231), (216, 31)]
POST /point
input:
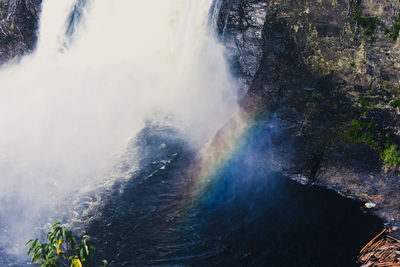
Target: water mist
[(68, 110)]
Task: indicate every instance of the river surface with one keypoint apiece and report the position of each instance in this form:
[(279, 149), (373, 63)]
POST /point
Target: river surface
[(245, 215)]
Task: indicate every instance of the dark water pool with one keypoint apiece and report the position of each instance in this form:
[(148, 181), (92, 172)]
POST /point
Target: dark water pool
[(248, 215)]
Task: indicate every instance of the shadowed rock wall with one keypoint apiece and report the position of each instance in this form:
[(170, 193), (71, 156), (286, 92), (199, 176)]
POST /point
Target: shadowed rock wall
[(330, 71), (18, 25)]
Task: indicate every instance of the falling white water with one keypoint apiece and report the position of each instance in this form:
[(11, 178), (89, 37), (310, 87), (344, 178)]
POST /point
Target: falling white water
[(66, 114)]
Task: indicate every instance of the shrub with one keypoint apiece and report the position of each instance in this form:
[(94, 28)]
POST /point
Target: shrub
[(395, 31), (367, 103), (395, 103), (359, 132), (368, 23), (62, 249), (391, 155)]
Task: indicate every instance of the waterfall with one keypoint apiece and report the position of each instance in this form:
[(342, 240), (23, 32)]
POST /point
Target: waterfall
[(101, 67)]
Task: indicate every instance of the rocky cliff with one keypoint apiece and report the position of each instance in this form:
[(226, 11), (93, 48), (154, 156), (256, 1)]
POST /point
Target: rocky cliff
[(18, 25), (329, 70)]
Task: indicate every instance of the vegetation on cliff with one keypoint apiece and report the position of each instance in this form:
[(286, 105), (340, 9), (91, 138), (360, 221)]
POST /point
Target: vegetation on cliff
[(368, 23), (331, 71)]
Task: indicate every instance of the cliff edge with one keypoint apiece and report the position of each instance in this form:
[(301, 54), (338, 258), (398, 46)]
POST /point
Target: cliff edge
[(329, 71)]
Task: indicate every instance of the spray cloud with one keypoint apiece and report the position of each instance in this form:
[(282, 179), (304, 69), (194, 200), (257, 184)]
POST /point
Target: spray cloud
[(68, 110)]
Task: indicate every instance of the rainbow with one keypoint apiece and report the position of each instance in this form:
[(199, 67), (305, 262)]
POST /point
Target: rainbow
[(203, 174), (228, 140)]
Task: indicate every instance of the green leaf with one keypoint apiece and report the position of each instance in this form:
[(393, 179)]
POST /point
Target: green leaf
[(49, 253), (36, 242), (50, 236), (81, 252), (56, 223), (37, 248), (44, 251), (86, 249), (63, 233), (30, 240), (105, 263), (29, 250), (33, 245)]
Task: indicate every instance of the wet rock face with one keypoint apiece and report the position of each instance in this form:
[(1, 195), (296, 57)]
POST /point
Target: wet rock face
[(18, 25), (241, 25), (327, 69)]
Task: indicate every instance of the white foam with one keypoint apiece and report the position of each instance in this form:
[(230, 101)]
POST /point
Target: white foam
[(67, 115)]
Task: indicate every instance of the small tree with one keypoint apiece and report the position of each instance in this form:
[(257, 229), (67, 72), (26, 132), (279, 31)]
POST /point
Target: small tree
[(63, 249), (391, 155)]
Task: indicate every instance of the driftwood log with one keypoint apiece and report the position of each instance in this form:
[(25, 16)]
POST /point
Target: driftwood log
[(382, 250)]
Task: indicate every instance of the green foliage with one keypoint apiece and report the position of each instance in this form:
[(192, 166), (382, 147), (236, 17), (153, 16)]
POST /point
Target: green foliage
[(395, 103), (359, 132), (368, 23), (3, 7), (367, 102), (362, 131), (391, 155), (63, 249), (394, 33)]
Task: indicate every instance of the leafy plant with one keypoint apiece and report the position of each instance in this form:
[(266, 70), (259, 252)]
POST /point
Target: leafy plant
[(395, 31), (368, 23), (391, 155), (63, 249), (367, 102), (395, 103), (359, 132)]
